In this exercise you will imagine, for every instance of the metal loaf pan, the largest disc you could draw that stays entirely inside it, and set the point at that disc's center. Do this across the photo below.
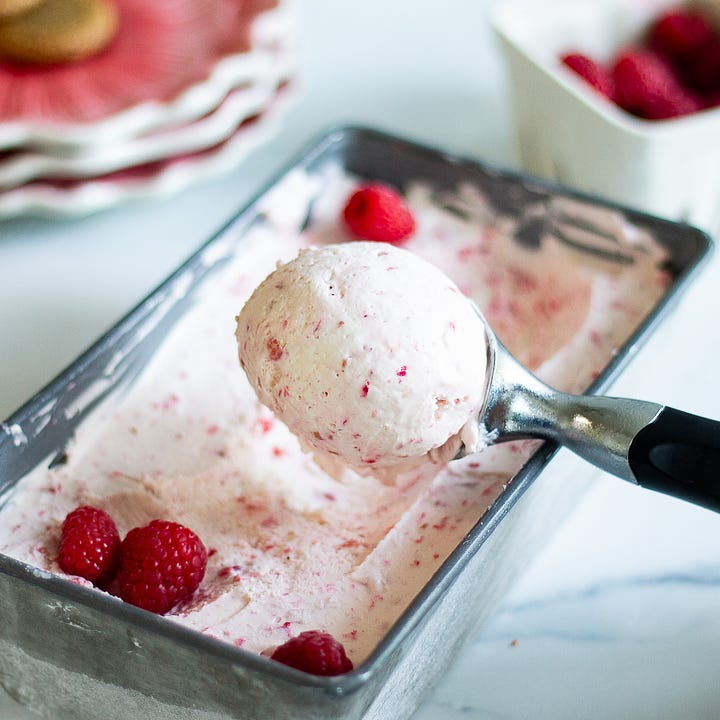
(73, 652)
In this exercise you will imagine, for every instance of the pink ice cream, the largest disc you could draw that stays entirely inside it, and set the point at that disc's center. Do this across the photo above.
(290, 547)
(367, 352)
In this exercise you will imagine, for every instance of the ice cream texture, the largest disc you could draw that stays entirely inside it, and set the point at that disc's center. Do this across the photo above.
(367, 352)
(290, 547)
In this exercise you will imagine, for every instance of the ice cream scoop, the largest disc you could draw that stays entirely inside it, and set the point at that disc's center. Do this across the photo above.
(651, 445)
(373, 355)
(367, 352)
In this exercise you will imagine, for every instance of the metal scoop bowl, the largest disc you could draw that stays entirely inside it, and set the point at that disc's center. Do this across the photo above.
(648, 444)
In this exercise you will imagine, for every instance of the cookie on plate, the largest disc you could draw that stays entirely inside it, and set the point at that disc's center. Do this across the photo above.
(13, 7)
(58, 31)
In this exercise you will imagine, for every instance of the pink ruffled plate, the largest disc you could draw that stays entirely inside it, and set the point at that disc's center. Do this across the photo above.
(18, 167)
(172, 61)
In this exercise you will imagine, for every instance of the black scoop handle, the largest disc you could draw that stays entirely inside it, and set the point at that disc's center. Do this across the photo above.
(679, 454)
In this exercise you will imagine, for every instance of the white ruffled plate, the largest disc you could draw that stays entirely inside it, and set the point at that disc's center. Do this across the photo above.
(173, 61)
(81, 197)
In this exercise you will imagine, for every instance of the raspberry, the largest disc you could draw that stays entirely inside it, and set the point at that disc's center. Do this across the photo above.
(89, 545)
(712, 100)
(160, 565)
(701, 70)
(591, 72)
(647, 87)
(678, 32)
(377, 212)
(314, 652)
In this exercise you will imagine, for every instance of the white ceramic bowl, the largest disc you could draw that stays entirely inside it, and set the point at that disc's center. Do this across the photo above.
(571, 134)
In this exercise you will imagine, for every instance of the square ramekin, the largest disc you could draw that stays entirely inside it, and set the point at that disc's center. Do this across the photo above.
(569, 133)
(73, 652)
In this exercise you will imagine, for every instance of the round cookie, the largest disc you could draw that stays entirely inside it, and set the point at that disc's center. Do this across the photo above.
(13, 7)
(58, 31)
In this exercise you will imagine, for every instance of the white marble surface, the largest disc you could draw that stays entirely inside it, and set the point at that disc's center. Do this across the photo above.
(618, 617)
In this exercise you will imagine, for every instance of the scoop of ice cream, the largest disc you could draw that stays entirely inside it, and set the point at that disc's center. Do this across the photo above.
(366, 352)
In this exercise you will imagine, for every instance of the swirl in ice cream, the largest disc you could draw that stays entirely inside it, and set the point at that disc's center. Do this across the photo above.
(367, 352)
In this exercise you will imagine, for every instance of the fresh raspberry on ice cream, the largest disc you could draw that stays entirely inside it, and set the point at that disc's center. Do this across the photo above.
(89, 545)
(378, 212)
(591, 71)
(646, 86)
(314, 652)
(160, 565)
(678, 32)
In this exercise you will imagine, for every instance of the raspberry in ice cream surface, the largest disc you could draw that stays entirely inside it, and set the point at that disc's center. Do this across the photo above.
(366, 351)
(89, 545)
(315, 652)
(378, 212)
(161, 564)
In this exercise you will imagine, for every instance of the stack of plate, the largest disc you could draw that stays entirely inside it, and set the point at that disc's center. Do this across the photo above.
(184, 91)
